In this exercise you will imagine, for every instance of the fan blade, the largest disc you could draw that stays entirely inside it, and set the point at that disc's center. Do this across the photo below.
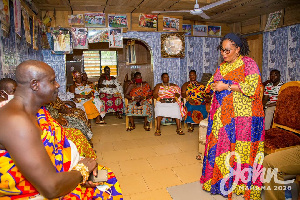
(209, 6)
(203, 15)
(170, 11)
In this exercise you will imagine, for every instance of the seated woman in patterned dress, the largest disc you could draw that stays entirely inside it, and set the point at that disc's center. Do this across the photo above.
(195, 95)
(111, 93)
(139, 94)
(86, 96)
(168, 103)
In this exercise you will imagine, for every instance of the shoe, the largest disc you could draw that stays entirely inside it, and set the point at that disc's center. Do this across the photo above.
(147, 128)
(157, 133)
(190, 129)
(180, 132)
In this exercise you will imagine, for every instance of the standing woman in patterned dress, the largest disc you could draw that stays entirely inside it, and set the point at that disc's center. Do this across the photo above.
(235, 135)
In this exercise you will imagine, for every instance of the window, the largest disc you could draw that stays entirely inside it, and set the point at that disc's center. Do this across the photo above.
(109, 58)
(95, 61)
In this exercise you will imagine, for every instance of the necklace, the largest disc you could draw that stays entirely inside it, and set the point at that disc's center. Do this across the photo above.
(166, 87)
(108, 79)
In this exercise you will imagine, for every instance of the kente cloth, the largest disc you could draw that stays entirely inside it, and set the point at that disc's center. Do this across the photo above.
(197, 112)
(144, 108)
(236, 129)
(82, 144)
(112, 98)
(58, 104)
(92, 105)
(169, 92)
(73, 122)
(15, 186)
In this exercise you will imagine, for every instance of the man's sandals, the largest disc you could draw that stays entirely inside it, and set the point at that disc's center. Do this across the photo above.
(190, 129)
(180, 131)
(130, 128)
(157, 133)
(147, 127)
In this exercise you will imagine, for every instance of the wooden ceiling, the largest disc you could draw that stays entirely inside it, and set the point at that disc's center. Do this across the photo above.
(230, 12)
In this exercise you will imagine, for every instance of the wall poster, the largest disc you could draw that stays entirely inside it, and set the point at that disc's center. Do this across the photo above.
(115, 38)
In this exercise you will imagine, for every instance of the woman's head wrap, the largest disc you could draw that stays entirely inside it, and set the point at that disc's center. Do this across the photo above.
(76, 74)
(235, 38)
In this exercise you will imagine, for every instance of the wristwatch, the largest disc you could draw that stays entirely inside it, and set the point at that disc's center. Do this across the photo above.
(229, 87)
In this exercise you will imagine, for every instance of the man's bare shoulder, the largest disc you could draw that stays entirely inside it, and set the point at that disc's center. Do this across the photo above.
(15, 123)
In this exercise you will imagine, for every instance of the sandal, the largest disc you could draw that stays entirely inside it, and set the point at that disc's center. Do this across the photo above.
(180, 132)
(130, 128)
(190, 129)
(147, 128)
(157, 133)
(101, 122)
(199, 157)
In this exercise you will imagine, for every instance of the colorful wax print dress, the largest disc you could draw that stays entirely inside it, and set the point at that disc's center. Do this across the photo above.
(196, 112)
(235, 135)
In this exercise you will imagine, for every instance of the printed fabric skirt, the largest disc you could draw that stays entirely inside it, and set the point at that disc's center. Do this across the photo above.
(142, 109)
(195, 113)
(112, 102)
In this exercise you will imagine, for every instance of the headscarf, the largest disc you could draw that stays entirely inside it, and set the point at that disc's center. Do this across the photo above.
(235, 38)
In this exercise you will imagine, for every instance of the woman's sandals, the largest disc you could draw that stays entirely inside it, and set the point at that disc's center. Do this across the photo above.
(147, 127)
(130, 128)
(180, 132)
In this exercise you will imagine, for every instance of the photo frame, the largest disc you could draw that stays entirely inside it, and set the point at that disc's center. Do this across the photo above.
(173, 45)
(214, 31)
(199, 30)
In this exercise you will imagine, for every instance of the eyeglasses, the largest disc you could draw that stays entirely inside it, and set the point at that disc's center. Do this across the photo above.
(227, 51)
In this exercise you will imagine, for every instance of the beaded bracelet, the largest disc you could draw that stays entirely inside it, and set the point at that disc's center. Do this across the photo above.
(84, 171)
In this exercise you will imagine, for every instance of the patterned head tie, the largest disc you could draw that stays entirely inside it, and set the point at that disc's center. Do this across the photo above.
(235, 38)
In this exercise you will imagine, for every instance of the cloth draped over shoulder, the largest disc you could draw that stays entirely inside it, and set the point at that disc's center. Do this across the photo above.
(15, 186)
(145, 107)
(196, 112)
(235, 127)
(169, 92)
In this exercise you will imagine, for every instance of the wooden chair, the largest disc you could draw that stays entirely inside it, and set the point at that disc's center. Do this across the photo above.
(127, 117)
(285, 130)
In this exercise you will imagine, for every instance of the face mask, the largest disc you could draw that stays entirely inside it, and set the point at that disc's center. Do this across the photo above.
(9, 96)
(138, 80)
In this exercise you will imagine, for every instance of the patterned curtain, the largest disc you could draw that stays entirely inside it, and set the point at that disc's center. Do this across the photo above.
(281, 51)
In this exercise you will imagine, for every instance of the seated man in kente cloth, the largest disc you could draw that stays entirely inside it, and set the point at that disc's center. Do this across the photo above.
(111, 93)
(168, 96)
(41, 162)
(139, 95)
(195, 95)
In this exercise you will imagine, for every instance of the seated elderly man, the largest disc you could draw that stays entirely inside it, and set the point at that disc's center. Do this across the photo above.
(87, 96)
(139, 94)
(41, 162)
(111, 93)
(168, 103)
(7, 89)
(195, 95)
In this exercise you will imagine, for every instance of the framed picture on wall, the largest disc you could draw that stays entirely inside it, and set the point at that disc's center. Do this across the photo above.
(98, 35)
(187, 29)
(117, 21)
(76, 20)
(148, 21)
(79, 36)
(199, 30)
(172, 45)
(115, 38)
(170, 24)
(94, 19)
(214, 31)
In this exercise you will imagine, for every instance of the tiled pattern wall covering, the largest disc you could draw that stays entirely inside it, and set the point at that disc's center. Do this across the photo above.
(15, 49)
(281, 50)
(201, 55)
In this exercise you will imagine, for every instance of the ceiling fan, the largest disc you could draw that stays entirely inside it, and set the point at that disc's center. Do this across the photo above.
(197, 10)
